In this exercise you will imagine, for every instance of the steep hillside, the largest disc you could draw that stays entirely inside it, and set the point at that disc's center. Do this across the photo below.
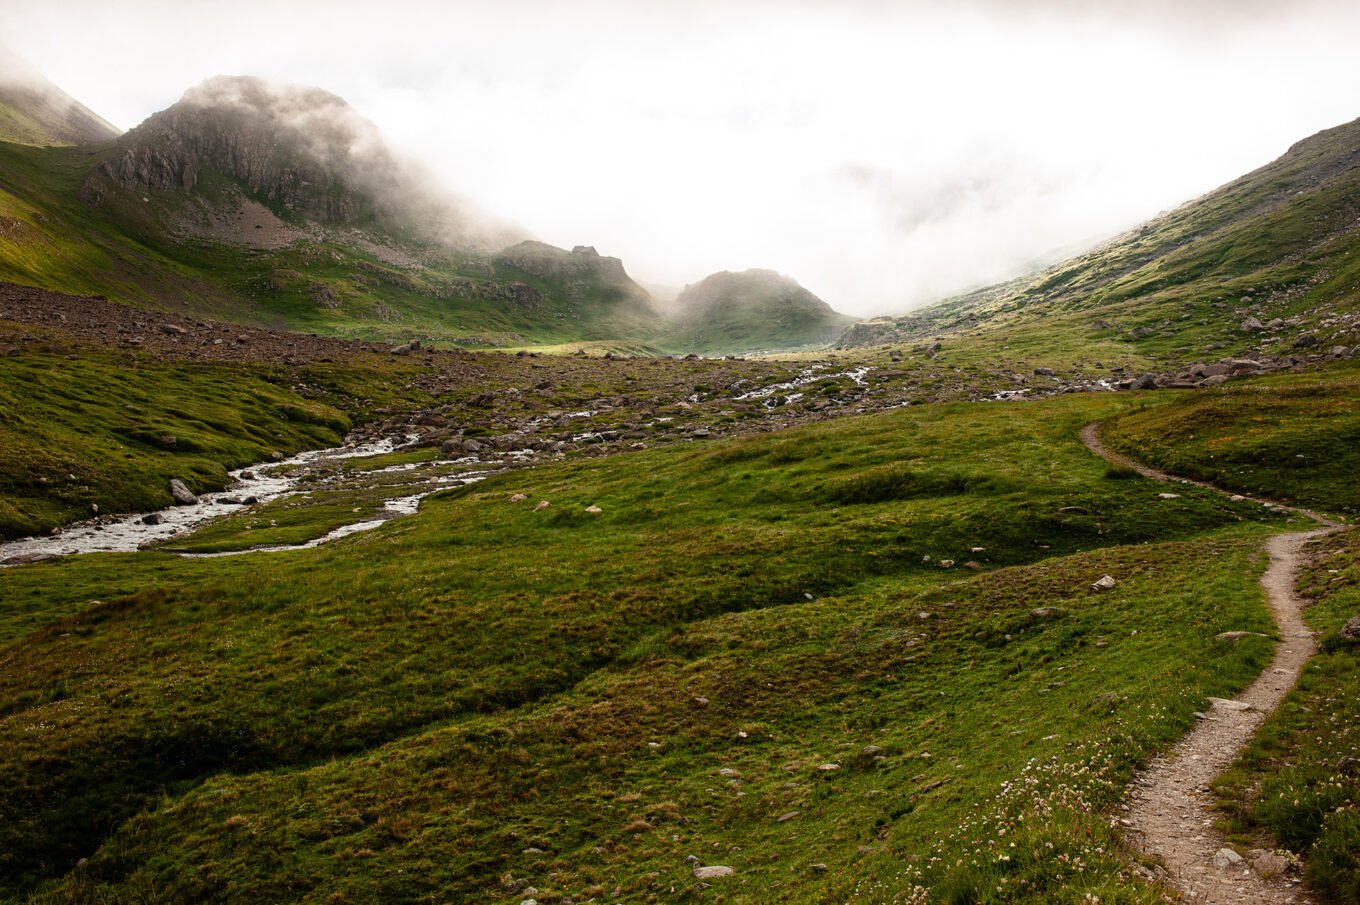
(1265, 264)
(33, 111)
(752, 311)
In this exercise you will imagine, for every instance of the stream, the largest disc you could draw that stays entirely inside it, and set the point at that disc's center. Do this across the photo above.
(130, 532)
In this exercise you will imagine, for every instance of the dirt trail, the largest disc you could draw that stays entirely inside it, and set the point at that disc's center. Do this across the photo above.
(1171, 811)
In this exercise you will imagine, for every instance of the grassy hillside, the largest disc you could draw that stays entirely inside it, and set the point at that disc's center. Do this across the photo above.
(1278, 245)
(1295, 438)
(752, 311)
(33, 111)
(487, 693)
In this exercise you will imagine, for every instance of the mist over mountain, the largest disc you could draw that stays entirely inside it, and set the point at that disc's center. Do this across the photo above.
(34, 111)
(751, 311)
(303, 152)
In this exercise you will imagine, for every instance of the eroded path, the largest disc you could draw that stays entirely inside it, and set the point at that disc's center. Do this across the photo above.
(1171, 811)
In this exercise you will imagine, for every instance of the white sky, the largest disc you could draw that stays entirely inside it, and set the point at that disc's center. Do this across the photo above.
(882, 153)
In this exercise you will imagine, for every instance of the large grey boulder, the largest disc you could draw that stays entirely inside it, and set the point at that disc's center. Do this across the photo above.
(182, 494)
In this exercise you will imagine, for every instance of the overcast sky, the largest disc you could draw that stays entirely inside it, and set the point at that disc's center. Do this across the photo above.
(884, 154)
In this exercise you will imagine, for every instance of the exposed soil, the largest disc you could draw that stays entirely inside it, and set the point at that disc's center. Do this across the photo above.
(1171, 813)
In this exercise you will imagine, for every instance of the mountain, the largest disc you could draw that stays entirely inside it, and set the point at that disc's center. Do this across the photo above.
(591, 286)
(33, 111)
(281, 205)
(1266, 264)
(302, 153)
(751, 311)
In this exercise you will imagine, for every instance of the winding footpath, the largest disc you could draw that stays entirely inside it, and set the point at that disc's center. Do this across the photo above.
(1171, 810)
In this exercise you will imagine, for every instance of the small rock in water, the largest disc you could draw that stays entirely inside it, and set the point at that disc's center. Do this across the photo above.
(182, 494)
(153, 518)
(1104, 583)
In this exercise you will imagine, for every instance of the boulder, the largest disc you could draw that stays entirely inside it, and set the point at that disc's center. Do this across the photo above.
(1144, 382)
(153, 518)
(1252, 325)
(1226, 858)
(1104, 583)
(182, 494)
(1307, 341)
(713, 872)
(1267, 864)
(1351, 630)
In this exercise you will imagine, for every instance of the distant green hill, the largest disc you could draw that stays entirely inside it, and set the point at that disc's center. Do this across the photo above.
(1260, 264)
(752, 311)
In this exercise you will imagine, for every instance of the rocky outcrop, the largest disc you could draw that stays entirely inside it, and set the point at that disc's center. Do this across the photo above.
(300, 149)
(551, 262)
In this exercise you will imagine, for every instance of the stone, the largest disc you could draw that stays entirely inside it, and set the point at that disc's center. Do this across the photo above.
(1349, 766)
(785, 818)
(1307, 341)
(870, 750)
(1226, 858)
(1227, 704)
(712, 872)
(20, 559)
(518, 498)
(1237, 636)
(1351, 630)
(182, 494)
(1252, 325)
(153, 518)
(1048, 612)
(1104, 583)
(173, 330)
(828, 768)
(1144, 382)
(594, 509)
(1043, 372)
(1267, 864)
(543, 504)
(1168, 496)
(818, 868)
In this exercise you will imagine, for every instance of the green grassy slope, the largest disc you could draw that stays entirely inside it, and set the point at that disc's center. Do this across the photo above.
(33, 111)
(1295, 438)
(753, 311)
(96, 431)
(412, 712)
(1278, 244)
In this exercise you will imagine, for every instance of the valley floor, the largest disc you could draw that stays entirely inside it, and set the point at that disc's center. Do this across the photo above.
(857, 658)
